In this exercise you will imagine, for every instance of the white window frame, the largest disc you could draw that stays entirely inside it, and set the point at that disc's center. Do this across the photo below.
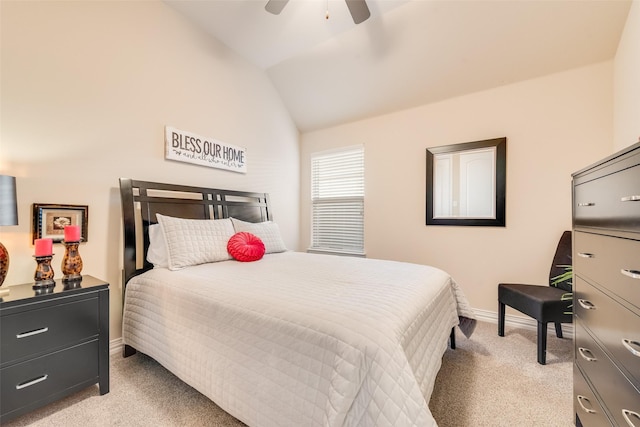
(337, 201)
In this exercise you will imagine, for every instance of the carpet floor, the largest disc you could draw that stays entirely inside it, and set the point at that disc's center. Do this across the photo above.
(487, 381)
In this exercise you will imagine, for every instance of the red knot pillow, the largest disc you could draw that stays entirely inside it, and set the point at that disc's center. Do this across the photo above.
(245, 247)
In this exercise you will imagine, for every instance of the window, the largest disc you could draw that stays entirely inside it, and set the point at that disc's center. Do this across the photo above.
(337, 201)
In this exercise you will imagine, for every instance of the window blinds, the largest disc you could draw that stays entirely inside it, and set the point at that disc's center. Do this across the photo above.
(337, 201)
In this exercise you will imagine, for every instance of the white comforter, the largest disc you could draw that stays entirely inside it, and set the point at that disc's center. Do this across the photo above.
(298, 339)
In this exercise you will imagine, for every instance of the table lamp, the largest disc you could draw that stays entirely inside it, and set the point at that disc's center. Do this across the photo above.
(8, 216)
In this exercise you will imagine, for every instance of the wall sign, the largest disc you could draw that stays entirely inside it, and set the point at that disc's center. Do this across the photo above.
(191, 148)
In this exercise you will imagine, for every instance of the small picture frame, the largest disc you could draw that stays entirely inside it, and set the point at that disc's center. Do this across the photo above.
(49, 220)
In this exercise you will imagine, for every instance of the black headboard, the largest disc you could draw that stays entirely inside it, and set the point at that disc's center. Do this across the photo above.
(142, 200)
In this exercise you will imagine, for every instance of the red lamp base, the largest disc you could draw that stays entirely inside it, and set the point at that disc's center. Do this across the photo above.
(4, 263)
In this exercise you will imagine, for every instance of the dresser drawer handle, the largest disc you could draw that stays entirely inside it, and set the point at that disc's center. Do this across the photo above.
(634, 274)
(31, 333)
(581, 398)
(630, 199)
(586, 204)
(587, 305)
(586, 354)
(626, 413)
(586, 255)
(32, 382)
(628, 344)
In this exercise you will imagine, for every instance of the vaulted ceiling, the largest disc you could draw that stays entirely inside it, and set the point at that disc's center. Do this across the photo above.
(409, 52)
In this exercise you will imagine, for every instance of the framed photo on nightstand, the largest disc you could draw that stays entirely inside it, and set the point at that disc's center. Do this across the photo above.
(49, 220)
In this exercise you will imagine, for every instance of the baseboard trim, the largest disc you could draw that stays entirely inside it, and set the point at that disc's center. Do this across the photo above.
(518, 321)
(116, 345)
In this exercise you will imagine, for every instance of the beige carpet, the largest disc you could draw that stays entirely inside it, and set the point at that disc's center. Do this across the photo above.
(486, 381)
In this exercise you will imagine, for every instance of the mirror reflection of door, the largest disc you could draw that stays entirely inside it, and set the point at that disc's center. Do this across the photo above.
(443, 199)
(478, 183)
(466, 185)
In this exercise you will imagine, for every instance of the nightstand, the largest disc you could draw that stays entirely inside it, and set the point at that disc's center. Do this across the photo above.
(52, 343)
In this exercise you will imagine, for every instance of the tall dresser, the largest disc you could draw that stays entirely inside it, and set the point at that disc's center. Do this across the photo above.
(606, 304)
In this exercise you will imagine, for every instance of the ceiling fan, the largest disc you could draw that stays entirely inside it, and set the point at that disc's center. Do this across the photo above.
(358, 8)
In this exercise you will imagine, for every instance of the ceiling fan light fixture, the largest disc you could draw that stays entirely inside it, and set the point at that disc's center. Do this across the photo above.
(357, 8)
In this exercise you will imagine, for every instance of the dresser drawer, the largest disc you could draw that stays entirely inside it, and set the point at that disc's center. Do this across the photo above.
(615, 327)
(31, 382)
(612, 201)
(38, 330)
(618, 395)
(585, 403)
(612, 262)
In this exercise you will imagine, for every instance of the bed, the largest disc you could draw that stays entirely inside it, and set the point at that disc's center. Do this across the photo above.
(293, 339)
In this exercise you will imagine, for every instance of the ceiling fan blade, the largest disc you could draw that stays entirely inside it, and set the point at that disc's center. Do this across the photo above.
(275, 6)
(358, 9)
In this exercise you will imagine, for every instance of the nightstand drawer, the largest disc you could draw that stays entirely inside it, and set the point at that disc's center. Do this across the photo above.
(617, 328)
(612, 201)
(31, 382)
(38, 330)
(610, 261)
(585, 403)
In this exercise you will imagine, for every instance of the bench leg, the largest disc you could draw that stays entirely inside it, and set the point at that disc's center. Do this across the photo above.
(542, 343)
(501, 309)
(559, 330)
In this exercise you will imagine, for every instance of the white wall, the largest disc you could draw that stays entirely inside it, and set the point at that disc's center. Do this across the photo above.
(87, 88)
(554, 126)
(627, 82)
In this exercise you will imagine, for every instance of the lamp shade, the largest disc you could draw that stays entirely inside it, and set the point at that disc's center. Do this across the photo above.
(8, 200)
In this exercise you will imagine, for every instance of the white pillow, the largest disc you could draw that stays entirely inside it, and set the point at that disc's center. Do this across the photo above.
(267, 231)
(157, 251)
(195, 241)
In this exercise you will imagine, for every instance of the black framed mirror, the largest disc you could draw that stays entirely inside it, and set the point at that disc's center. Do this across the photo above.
(466, 183)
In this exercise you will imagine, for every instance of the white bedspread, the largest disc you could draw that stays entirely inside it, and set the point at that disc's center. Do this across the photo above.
(298, 339)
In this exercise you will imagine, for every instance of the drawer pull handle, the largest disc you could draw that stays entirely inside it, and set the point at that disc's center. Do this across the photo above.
(31, 333)
(586, 354)
(32, 382)
(581, 398)
(587, 305)
(586, 204)
(626, 413)
(628, 344)
(630, 199)
(634, 274)
(586, 255)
